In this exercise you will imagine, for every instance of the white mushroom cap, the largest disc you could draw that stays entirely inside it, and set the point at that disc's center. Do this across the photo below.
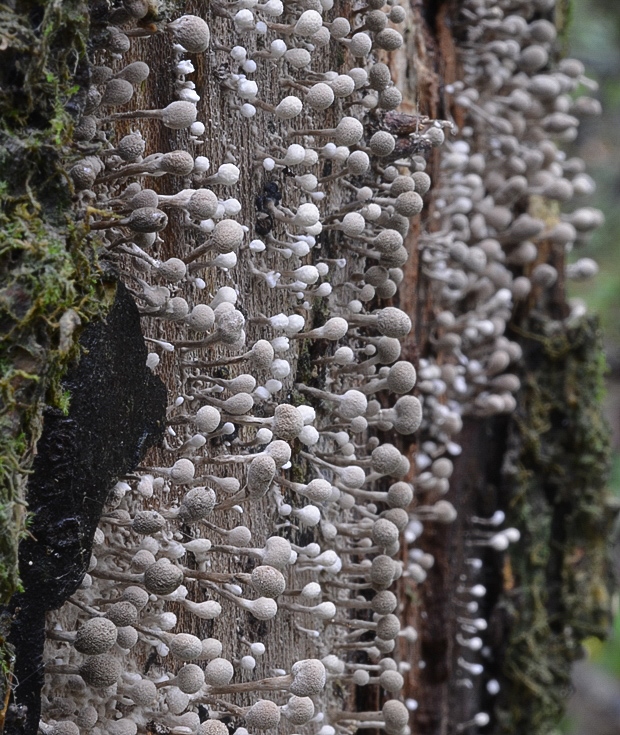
(263, 715)
(219, 672)
(96, 635)
(212, 727)
(289, 108)
(309, 23)
(207, 419)
(101, 671)
(190, 678)
(349, 131)
(191, 32)
(320, 96)
(308, 677)
(162, 578)
(268, 581)
(185, 646)
(182, 471)
(299, 710)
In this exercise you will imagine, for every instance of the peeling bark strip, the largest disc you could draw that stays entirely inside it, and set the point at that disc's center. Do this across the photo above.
(297, 225)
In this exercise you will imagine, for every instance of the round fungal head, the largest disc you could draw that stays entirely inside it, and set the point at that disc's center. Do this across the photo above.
(268, 581)
(263, 715)
(95, 636)
(309, 677)
(101, 671)
(287, 422)
(179, 115)
(197, 504)
(395, 716)
(277, 552)
(185, 646)
(212, 727)
(384, 533)
(122, 613)
(349, 131)
(393, 322)
(162, 578)
(401, 378)
(219, 672)
(299, 710)
(261, 472)
(190, 678)
(191, 32)
(207, 419)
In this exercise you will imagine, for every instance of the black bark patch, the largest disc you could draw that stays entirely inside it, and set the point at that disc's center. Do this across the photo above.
(117, 411)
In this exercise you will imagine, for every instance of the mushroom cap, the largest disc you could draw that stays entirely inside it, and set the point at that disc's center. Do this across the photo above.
(395, 716)
(261, 472)
(384, 602)
(179, 115)
(353, 224)
(239, 536)
(162, 578)
(101, 671)
(116, 92)
(287, 422)
(262, 354)
(388, 627)
(382, 143)
(400, 495)
(96, 635)
(182, 471)
(176, 700)
(172, 270)
(127, 636)
(238, 404)
(298, 58)
(398, 516)
(143, 692)
(389, 39)
(279, 451)
(185, 646)
(309, 23)
(263, 608)
(190, 678)
(212, 727)
(135, 72)
(277, 552)
(360, 44)
(147, 219)
(227, 236)
(178, 163)
(147, 521)
(384, 533)
(379, 76)
(299, 710)
(409, 203)
(136, 595)
(349, 131)
(320, 96)
(202, 204)
(197, 504)
(201, 319)
(393, 322)
(391, 681)
(191, 32)
(268, 581)
(122, 613)
(288, 108)
(130, 147)
(335, 328)
(309, 677)
(385, 459)
(318, 491)
(353, 403)
(219, 672)
(408, 415)
(207, 419)
(382, 571)
(401, 378)
(263, 715)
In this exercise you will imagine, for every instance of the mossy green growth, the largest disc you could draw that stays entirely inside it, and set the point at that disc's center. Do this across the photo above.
(50, 282)
(557, 480)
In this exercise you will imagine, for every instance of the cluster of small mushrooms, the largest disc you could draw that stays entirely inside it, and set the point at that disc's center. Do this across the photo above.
(271, 522)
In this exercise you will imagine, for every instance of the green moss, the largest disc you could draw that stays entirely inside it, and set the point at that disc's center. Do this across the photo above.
(559, 500)
(50, 283)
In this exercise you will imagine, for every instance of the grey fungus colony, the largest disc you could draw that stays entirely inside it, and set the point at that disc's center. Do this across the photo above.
(182, 575)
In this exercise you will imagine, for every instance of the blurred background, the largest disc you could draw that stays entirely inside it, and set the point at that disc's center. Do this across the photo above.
(594, 38)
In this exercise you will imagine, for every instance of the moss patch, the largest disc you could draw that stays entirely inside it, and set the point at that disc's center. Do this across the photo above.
(556, 475)
(49, 279)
